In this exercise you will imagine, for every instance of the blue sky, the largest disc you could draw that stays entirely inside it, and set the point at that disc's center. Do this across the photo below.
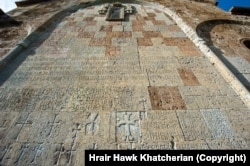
(7, 5)
(227, 4)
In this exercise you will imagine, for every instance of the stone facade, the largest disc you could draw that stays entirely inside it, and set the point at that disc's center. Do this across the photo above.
(142, 83)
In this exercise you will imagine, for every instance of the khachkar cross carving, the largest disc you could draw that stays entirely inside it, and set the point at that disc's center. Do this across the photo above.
(143, 101)
(49, 126)
(92, 124)
(128, 124)
(3, 124)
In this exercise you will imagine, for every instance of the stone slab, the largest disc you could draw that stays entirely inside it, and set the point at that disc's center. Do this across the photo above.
(193, 125)
(188, 77)
(165, 98)
(218, 124)
(227, 144)
(161, 126)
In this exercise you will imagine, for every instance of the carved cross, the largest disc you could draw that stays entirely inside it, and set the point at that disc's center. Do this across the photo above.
(143, 101)
(25, 148)
(3, 125)
(76, 129)
(127, 122)
(25, 122)
(92, 122)
(49, 126)
(38, 152)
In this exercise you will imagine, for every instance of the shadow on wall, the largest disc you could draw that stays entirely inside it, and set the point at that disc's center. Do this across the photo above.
(203, 30)
(6, 20)
(28, 2)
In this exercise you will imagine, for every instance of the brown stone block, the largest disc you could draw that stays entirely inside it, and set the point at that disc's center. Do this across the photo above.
(151, 34)
(177, 42)
(88, 19)
(138, 28)
(151, 14)
(118, 34)
(189, 51)
(112, 51)
(174, 28)
(188, 77)
(165, 98)
(100, 42)
(158, 22)
(144, 42)
(86, 34)
(136, 23)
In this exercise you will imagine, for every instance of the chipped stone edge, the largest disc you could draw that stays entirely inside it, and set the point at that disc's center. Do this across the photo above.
(238, 87)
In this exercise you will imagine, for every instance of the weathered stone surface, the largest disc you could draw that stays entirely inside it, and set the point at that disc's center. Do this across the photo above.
(161, 126)
(165, 98)
(227, 144)
(192, 145)
(188, 77)
(217, 124)
(85, 83)
(193, 125)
